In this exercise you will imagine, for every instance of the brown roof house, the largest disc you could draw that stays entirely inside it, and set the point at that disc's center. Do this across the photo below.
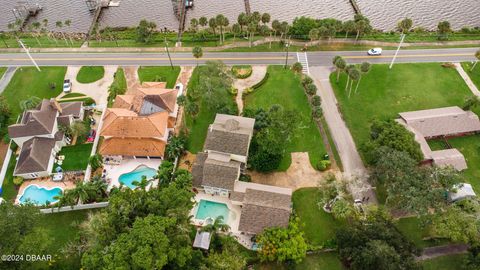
(38, 136)
(439, 123)
(217, 170)
(138, 125)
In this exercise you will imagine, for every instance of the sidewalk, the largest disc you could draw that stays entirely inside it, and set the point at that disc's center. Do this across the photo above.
(467, 79)
(6, 78)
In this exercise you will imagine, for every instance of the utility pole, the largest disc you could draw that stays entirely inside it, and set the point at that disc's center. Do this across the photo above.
(29, 56)
(168, 52)
(398, 49)
(286, 56)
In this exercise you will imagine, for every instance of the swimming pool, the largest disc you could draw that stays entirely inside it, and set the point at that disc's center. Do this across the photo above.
(39, 195)
(209, 209)
(136, 175)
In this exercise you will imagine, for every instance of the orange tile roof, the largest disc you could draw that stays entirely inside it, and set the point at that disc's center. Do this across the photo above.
(119, 122)
(123, 101)
(133, 147)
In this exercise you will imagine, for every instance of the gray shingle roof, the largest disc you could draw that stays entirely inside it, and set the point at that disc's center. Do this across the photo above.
(71, 108)
(263, 209)
(35, 155)
(35, 122)
(220, 174)
(197, 168)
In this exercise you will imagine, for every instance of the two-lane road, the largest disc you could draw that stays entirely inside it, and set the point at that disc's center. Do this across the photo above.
(230, 58)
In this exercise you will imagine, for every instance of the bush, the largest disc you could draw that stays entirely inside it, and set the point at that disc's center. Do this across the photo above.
(316, 101)
(245, 178)
(262, 82)
(242, 72)
(317, 112)
(307, 80)
(324, 165)
(233, 91)
(311, 89)
(18, 180)
(95, 161)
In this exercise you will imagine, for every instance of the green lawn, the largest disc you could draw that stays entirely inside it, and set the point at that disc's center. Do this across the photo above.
(76, 157)
(412, 229)
(2, 71)
(90, 74)
(197, 130)
(384, 93)
(451, 262)
(474, 74)
(77, 97)
(284, 87)
(159, 74)
(9, 191)
(27, 82)
(318, 225)
(320, 261)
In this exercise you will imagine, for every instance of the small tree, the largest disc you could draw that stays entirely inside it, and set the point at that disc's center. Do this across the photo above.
(18, 180)
(477, 55)
(317, 112)
(316, 100)
(313, 34)
(95, 161)
(297, 67)
(471, 102)
(364, 69)
(311, 89)
(354, 75)
(192, 109)
(265, 18)
(212, 23)
(340, 65)
(203, 21)
(405, 25)
(145, 31)
(197, 52)
(443, 29)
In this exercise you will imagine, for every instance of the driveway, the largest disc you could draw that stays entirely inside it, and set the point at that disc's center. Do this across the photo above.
(258, 73)
(354, 170)
(97, 90)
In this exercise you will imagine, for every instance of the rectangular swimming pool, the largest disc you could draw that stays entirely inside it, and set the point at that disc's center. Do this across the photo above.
(208, 209)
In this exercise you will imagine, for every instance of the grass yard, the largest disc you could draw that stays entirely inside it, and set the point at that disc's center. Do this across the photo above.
(384, 93)
(412, 229)
(451, 262)
(474, 74)
(159, 74)
(198, 129)
(9, 191)
(76, 157)
(90, 74)
(28, 82)
(2, 71)
(119, 83)
(71, 97)
(320, 261)
(284, 87)
(318, 225)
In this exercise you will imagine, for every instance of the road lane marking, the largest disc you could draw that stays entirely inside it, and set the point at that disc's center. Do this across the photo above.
(408, 55)
(144, 59)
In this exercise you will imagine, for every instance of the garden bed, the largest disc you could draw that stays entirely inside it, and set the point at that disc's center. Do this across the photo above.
(90, 74)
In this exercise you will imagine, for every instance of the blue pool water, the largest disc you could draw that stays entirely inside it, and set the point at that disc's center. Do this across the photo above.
(39, 195)
(136, 175)
(209, 209)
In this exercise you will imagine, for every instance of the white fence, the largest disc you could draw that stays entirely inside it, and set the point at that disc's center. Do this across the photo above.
(6, 161)
(74, 208)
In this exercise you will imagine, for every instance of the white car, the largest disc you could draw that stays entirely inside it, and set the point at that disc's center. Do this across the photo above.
(375, 51)
(179, 87)
(67, 86)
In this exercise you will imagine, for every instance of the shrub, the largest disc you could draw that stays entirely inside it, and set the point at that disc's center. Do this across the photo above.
(17, 180)
(95, 161)
(317, 112)
(307, 80)
(316, 101)
(311, 89)
(245, 178)
(233, 91)
(242, 72)
(262, 82)
(324, 165)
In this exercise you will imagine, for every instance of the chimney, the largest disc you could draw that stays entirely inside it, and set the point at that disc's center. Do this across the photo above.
(56, 105)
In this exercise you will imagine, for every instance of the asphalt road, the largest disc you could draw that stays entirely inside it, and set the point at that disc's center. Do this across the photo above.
(230, 58)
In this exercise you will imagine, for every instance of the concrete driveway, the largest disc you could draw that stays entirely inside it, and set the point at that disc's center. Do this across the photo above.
(97, 90)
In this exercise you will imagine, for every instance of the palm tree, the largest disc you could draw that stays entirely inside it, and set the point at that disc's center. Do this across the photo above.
(203, 21)
(236, 30)
(443, 29)
(81, 191)
(405, 25)
(252, 28)
(313, 34)
(197, 53)
(354, 75)
(216, 226)
(68, 23)
(212, 23)
(297, 67)
(142, 184)
(340, 65)
(347, 70)
(66, 198)
(220, 21)
(242, 20)
(364, 69)
(348, 26)
(276, 27)
(36, 26)
(78, 129)
(471, 102)
(265, 18)
(360, 27)
(477, 55)
(192, 109)
(59, 25)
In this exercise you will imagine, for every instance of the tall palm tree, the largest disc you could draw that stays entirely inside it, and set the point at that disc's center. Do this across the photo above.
(265, 18)
(212, 23)
(68, 23)
(216, 226)
(197, 52)
(59, 25)
(252, 28)
(347, 71)
(236, 30)
(66, 198)
(142, 184)
(203, 21)
(220, 21)
(364, 69)
(81, 191)
(354, 75)
(242, 20)
(340, 65)
(348, 27)
(405, 25)
(477, 55)
(192, 109)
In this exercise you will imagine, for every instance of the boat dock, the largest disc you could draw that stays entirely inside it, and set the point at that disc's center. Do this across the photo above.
(23, 11)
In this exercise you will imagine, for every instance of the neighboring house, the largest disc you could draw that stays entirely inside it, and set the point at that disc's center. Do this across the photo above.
(139, 123)
(218, 168)
(440, 123)
(39, 138)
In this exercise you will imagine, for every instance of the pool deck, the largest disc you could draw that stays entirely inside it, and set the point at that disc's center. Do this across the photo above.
(127, 165)
(45, 183)
(233, 217)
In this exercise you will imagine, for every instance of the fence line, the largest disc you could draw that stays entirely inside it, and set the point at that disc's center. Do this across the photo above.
(88, 171)
(6, 161)
(74, 208)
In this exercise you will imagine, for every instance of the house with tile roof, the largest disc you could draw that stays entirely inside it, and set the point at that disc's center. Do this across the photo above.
(38, 136)
(140, 121)
(441, 123)
(217, 170)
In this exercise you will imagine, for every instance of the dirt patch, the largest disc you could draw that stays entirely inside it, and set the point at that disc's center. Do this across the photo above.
(300, 174)
(186, 161)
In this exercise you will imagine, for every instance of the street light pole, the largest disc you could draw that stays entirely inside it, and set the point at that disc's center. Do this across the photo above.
(398, 49)
(168, 52)
(29, 56)
(286, 56)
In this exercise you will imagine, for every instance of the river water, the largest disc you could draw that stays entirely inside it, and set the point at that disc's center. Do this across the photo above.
(383, 14)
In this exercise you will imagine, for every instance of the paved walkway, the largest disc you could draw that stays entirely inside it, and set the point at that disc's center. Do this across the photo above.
(467, 79)
(433, 252)
(300, 174)
(131, 75)
(184, 78)
(7, 76)
(258, 73)
(352, 163)
(97, 90)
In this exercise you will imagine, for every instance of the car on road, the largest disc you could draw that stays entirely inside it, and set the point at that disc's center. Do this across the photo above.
(375, 51)
(67, 86)
(179, 87)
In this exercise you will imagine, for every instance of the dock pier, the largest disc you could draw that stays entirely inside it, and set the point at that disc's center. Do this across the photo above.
(23, 11)
(96, 7)
(355, 6)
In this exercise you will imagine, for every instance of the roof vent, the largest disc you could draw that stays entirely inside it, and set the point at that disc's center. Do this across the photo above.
(231, 125)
